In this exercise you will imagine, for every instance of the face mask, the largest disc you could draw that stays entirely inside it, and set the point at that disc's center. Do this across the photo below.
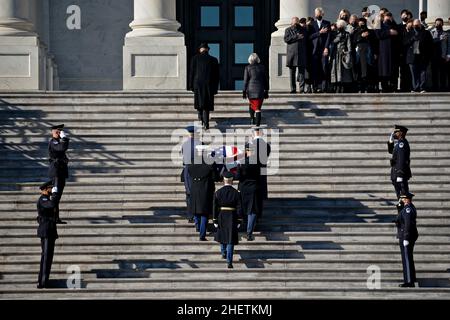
(319, 18)
(439, 28)
(405, 19)
(344, 18)
(417, 28)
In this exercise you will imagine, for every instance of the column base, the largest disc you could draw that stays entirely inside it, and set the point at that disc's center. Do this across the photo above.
(154, 63)
(278, 72)
(22, 64)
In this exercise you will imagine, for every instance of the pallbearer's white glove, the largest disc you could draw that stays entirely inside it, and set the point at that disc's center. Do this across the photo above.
(405, 243)
(62, 134)
(216, 226)
(391, 138)
(399, 179)
(238, 226)
(54, 189)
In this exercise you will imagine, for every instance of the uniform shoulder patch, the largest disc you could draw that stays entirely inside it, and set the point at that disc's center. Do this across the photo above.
(55, 142)
(408, 210)
(401, 144)
(45, 199)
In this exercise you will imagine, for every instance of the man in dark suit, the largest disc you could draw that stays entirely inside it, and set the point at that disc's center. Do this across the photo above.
(204, 82)
(405, 73)
(58, 170)
(296, 38)
(407, 235)
(320, 43)
(47, 230)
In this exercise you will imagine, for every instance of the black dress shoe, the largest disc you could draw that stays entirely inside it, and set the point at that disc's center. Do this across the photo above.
(293, 91)
(224, 255)
(59, 221)
(250, 238)
(230, 266)
(407, 285)
(190, 220)
(203, 239)
(40, 286)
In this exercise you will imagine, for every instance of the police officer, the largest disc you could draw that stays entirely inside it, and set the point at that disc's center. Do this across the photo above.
(46, 207)
(188, 151)
(202, 175)
(398, 146)
(249, 176)
(407, 235)
(261, 152)
(227, 217)
(58, 171)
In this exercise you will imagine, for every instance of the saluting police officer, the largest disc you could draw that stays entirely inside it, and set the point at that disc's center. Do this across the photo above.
(47, 230)
(398, 146)
(58, 170)
(202, 176)
(407, 235)
(249, 176)
(188, 151)
(227, 217)
(262, 151)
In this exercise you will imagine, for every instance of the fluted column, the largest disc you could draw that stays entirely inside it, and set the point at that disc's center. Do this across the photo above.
(279, 73)
(154, 51)
(16, 18)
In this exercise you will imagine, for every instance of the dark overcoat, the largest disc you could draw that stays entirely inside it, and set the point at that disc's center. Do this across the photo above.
(256, 81)
(204, 80)
(46, 217)
(387, 52)
(425, 47)
(400, 162)
(57, 158)
(297, 49)
(228, 220)
(249, 176)
(202, 178)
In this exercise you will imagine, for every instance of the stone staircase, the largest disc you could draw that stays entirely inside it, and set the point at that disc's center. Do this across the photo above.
(329, 217)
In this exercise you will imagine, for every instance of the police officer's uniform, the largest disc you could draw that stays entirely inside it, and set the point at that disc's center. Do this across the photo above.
(58, 170)
(407, 235)
(400, 163)
(48, 233)
(227, 218)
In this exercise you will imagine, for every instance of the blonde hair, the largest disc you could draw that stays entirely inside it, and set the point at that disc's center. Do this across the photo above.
(254, 58)
(341, 24)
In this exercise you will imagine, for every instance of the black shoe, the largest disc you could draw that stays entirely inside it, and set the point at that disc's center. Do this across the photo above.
(40, 286)
(250, 237)
(293, 91)
(203, 239)
(59, 221)
(230, 266)
(407, 285)
(190, 220)
(224, 255)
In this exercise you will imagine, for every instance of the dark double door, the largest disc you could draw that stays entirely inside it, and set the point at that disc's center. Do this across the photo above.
(233, 29)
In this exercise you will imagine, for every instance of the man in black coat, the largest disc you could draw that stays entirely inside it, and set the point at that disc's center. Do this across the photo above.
(202, 175)
(407, 235)
(320, 43)
(227, 217)
(58, 170)
(249, 176)
(405, 73)
(420, 51)
(296, 38)
(260, 156)
(47, 230)
(204, 82)
(398, 146)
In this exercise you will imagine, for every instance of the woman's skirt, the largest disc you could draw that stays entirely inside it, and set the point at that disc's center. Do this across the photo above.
(256, 104)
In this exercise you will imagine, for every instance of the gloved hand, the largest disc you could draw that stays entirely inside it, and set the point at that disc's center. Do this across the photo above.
(399, 179)
(244, 95)
(405, 243)
(54, 189)
(238, 226)
(391, 137)
(216, 226)
(62, 134)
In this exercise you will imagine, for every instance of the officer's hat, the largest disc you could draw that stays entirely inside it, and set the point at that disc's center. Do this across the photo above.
(401, 129)
(46, 185)
(227, 175)
(203, 45)
(191, 129)
(407, 195)
(58, 127)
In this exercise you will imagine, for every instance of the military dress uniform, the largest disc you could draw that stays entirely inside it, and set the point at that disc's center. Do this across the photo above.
(400, 163)
(227, 218)
(407, 235)
(47, 232)
(58, 170)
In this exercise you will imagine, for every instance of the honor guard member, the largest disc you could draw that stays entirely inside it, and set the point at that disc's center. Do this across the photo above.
(400, 162)
(188, 152)
(407, 235)
(58, 171)
(203, 176)
(249, 176)
(261, 152)
(47, 231)
(227, 217)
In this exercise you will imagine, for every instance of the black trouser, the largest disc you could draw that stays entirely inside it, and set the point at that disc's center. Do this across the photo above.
(405, 78)
(48, 248)
(419, 76)
(297, 77)
(60, 183)
(401, 187)
(439, 74)
(203, 116)
(409, 269)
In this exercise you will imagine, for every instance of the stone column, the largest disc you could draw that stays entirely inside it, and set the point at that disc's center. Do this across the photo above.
(22, 66)
(154, 52)
(279, 73)
(438, 9)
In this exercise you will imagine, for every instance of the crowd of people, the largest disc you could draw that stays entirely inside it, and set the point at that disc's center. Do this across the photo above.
(359, 54)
